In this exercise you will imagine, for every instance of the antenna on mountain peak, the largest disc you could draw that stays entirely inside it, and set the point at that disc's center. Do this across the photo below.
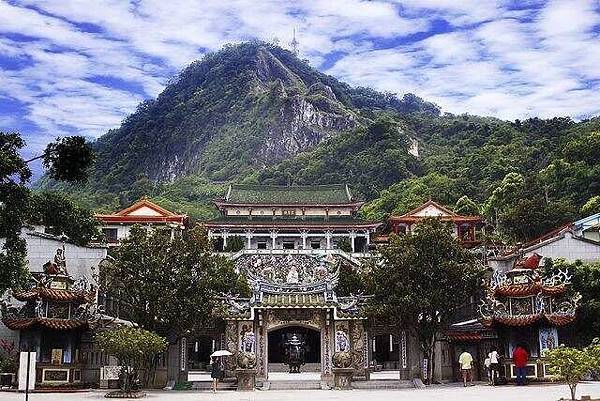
(294, 43)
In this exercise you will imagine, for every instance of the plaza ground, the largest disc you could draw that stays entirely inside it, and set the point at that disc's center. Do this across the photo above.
(548, 392)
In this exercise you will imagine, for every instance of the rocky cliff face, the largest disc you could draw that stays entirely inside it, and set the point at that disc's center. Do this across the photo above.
(246, 106)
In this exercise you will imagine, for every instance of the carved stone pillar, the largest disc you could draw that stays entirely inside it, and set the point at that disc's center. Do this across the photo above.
(358, 347)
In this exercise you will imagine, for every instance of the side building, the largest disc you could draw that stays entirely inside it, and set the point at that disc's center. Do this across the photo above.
(53, 315)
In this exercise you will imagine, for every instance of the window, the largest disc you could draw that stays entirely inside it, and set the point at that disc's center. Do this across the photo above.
(288, 245)
(110, 234)
(261, 245)
(315, 244)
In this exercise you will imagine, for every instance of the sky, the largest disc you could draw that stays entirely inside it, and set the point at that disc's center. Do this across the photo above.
(78, 67)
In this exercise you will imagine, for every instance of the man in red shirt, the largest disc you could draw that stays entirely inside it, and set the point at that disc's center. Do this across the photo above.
(520, 357)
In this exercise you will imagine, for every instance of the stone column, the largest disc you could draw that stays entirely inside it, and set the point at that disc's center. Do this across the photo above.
(249, 236)
(225, 236)
(328, 238)
(368, 237)
(352, 238)
(304, 235)
(273, 238)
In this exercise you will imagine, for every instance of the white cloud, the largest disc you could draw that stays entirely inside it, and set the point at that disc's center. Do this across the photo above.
(489, 59)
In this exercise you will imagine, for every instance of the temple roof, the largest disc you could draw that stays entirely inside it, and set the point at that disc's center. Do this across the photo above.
(54, 294)
(295, 222)
(48, 323)
(142, 211)
(432, 209)
(288, 195)
(295, 300)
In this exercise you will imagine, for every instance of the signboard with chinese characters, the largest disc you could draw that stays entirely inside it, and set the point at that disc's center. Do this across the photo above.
(55, 375)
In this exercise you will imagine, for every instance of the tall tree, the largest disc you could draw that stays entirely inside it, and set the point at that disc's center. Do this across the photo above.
(66, 159)
(170, 285)
(421, 279)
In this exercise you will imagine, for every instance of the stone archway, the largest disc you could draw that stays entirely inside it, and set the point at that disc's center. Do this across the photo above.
(276, 339)
(314, 320)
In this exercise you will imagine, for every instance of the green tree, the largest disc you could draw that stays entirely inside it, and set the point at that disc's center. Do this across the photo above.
(16, 198)
(592, 206)
(132, 347)
(408, 194)
(344, 245)
(67, 159)
(62, 217)
(570, 365)
(519, 209)
(421, 279)
(586, 281)
(234, 244)
(170, 285)
(465, 206)
(351, 281)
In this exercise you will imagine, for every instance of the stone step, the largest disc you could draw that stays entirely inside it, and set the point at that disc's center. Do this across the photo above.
(293, 385)
(228, 384)
(382, 384)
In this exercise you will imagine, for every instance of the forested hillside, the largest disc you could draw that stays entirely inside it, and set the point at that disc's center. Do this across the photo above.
(255, 113)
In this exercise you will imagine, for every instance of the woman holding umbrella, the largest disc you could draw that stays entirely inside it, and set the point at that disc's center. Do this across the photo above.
(217, 369)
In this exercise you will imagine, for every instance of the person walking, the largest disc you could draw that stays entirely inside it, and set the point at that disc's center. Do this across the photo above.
(465, 360)
(488, 371)
(215, 373)
(494, 365)
(520, 357)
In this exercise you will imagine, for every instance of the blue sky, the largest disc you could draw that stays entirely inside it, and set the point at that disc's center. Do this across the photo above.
(79, 66)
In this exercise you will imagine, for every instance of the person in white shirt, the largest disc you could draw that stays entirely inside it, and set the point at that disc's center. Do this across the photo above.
(488, 371)
(494, 365)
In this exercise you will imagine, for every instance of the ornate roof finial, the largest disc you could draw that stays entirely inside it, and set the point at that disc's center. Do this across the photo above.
(294, 43)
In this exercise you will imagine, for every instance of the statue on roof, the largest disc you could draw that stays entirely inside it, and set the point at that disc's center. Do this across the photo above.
(59, 263)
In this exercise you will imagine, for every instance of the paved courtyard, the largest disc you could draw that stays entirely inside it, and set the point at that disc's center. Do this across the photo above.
(445, 393)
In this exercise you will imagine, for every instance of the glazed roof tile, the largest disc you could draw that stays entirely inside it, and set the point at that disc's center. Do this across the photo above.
(289, 195)
(48, 323)
(54, 295)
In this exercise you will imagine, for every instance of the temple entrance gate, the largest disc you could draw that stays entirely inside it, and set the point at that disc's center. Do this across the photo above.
(294, 292)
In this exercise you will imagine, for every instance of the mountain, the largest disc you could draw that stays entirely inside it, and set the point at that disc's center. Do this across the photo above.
(245, 107)
(255, 113)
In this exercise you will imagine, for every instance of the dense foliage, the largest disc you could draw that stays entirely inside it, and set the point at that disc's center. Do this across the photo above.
(133, 348)
(421, 279)
(19, 207)
(586, 281)
(67, 159)
(370, 159)
(170, 285)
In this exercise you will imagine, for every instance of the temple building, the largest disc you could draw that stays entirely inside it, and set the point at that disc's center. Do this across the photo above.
(466, 228)
(530, 307)
(291, 218)
(52, 315)
(145, 213)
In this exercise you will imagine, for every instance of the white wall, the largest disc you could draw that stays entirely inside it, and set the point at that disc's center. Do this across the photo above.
(568, 248)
